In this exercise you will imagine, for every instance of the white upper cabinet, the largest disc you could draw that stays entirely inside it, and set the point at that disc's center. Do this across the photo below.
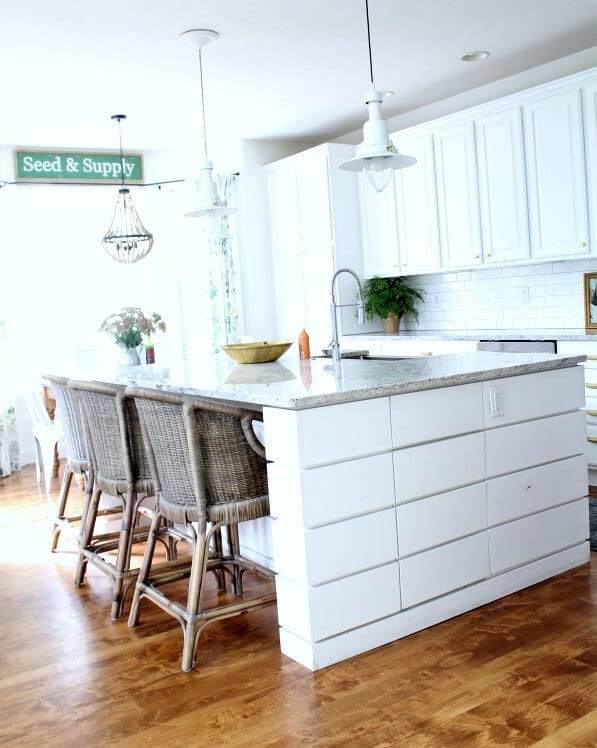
(556, 175)
(457, 195)
(380, 233)
(590, 130)
(502, 186)
(416, 206)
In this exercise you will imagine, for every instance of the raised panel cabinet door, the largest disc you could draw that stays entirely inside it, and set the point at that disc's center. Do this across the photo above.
(502, 186)
(416, 206)
(458, 196)
(379, 230)
(286, 248)
(556, 176)
(590, 130)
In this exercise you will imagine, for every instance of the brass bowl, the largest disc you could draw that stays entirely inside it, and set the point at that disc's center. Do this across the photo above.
(257, 353)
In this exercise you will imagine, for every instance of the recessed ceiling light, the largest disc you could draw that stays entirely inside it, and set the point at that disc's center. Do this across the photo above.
(475, 56)
(386, 94)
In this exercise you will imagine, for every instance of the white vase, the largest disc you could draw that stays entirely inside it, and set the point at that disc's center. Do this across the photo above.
(129, 356)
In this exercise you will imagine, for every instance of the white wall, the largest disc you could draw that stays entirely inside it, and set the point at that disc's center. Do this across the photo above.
(57, 284)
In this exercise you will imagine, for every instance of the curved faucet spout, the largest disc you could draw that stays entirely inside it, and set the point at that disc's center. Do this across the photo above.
(335, 346)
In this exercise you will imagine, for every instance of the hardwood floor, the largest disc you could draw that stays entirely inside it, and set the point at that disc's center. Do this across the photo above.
(518, 672)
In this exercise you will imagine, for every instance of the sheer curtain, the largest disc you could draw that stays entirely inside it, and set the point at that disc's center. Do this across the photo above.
(224, 277)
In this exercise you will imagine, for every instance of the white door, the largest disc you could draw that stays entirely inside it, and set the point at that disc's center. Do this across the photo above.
(556, 176)
(416, 207)
(502, 187)
(457, 195)
(379, 230)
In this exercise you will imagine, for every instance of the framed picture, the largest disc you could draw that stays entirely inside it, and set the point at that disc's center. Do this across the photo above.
(590, 290)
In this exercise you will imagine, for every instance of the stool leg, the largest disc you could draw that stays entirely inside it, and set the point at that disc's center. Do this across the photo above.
(86, 535)
(60, 512)
(144, 571)
(196, 582)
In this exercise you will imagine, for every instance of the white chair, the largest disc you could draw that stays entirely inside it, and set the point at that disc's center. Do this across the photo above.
(46, 434)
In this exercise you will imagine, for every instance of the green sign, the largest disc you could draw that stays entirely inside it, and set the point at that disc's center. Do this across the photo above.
(77, 166)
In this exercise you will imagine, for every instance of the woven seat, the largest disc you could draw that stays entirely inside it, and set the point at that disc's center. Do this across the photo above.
(119, 462)
(77, 462)
(210, 473)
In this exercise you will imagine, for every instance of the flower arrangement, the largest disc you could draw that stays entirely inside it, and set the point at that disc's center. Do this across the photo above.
(128, 326)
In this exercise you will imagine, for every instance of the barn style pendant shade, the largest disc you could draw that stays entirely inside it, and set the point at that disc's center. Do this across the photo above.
(208, 201)
(127, 240)
(376, 156)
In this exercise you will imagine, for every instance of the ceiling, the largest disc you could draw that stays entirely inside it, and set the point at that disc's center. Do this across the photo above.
(284, 70)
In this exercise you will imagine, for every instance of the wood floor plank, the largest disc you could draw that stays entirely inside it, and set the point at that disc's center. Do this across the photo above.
(519, 672)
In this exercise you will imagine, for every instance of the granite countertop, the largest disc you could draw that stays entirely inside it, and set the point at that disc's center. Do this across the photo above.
(567, 333)
(292, 384)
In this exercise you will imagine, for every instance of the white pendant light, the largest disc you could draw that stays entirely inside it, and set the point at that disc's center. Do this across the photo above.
(208, 203)
(127, 240)
(376, 156)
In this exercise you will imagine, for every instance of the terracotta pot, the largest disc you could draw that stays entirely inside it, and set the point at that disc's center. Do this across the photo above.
(391, 323)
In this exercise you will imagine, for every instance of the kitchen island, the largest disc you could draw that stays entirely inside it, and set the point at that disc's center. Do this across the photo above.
(406, 492)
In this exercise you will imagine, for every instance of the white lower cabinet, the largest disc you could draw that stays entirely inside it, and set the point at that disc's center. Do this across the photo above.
(443, 569)
(539, 535)
(377, 532)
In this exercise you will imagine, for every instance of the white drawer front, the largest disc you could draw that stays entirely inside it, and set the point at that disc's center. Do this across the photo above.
(439, 466)
(441, 570)
(523, 398)
(591, 408)
(317, 556)
(524, 445)
(434, 414)
(435, 520)
(309, 438)
(341, 432)
(591, 445)
(340, 605)
(333, 492)
(525, 539)
(534, 490)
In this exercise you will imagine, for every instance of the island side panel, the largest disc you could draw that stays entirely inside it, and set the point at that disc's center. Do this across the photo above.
(333, 525)
(373, 540)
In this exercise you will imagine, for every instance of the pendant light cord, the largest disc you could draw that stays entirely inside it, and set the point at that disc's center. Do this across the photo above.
(369, 43)
(119, 118)
(202, 105)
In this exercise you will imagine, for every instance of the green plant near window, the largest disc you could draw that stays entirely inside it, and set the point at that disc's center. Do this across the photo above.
(391, 296)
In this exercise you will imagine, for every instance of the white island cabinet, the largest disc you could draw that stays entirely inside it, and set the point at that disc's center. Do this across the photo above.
(404, 492)
(394, 513)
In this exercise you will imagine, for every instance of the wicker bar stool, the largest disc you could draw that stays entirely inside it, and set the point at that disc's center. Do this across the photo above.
(77, 461)
(210, 473)
(119, 461)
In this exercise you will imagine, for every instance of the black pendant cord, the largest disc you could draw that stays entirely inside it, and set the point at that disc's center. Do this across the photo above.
(202, 105)
(119, 118)
(369, 43)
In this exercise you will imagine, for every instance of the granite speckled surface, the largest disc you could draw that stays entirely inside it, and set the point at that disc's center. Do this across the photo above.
(292, 384)
(508, 334)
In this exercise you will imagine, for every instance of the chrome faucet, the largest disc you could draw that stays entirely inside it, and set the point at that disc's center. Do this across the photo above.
(335, 345)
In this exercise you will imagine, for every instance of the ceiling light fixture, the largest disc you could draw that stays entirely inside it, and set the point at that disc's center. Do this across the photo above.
(127, 240)
(475, 56)
(376, 156)
(209, 202)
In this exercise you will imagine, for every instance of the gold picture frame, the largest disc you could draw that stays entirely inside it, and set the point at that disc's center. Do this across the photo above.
(590, 294)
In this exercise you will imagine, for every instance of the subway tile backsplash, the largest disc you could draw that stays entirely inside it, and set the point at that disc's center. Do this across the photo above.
(548, 294)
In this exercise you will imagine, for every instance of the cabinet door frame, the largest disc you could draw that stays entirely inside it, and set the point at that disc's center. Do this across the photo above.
(548, 186)
(502, 186)
(450, 141)
(416, 207)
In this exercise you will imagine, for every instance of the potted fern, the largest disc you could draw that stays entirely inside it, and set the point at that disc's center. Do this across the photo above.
(391, 299)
